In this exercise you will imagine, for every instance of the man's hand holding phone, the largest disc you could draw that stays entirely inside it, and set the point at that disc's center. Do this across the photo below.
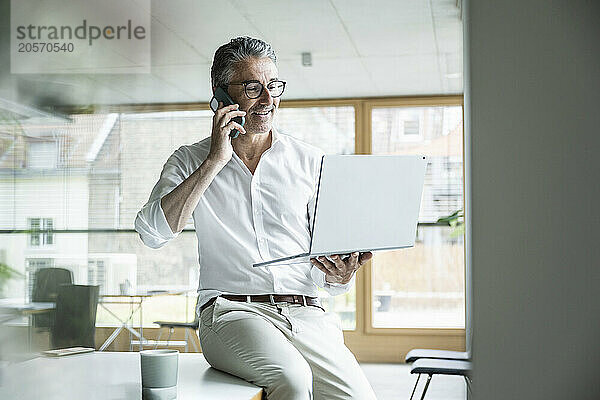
(223, 123)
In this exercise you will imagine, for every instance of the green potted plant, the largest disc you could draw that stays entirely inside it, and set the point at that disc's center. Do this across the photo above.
(7, 273)
(457, 221)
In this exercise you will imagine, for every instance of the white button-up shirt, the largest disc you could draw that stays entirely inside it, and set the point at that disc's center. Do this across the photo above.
(243, 218)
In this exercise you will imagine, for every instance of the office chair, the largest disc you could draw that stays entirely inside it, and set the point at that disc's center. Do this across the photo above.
(45, 289)
(438, 362)
(75, 318)
(432, 367)
(193, 326)
(416, 354)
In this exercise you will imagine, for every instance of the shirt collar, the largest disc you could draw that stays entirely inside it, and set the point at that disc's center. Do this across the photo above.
(274, 135)
(274, 139)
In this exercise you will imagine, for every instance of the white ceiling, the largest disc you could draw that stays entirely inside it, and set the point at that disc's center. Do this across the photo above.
(359, 48)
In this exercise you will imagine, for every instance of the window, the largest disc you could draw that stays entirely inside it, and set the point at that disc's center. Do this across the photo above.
(423, 287)
(107, 167)
(329, 128)
(107, 163)
(37, 239)
(123, 171)
(43, 154)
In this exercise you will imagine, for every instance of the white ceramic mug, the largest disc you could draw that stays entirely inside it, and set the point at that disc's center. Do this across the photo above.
(159, 374)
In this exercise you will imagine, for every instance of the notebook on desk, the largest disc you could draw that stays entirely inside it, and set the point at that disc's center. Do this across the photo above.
(68, 351)
(364, 203)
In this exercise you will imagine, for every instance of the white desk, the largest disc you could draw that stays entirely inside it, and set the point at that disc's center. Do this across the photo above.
(10, 308)
(110, 375)
(135, 301)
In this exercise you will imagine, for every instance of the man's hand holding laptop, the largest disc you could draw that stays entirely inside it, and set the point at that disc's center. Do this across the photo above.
(340, 268)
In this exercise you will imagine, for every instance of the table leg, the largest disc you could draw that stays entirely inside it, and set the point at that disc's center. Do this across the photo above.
(29, 331)
(141, 326)
(132, 312)
(111, 338)
(115, 333)
(186, 305)
(128, 323)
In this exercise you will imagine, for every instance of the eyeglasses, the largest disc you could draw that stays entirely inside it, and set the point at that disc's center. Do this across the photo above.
(254, 89)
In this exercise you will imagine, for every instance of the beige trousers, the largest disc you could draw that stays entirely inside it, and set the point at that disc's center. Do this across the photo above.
(294, 352)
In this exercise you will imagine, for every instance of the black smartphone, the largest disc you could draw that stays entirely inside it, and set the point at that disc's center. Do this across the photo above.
(221, 95)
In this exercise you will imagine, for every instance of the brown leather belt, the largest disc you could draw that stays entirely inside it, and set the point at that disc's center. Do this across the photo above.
(269, 298)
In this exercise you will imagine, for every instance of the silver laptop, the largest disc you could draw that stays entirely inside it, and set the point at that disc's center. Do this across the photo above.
(364, 203)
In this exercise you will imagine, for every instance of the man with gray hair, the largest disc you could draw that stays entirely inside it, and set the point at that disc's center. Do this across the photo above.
(251, 199)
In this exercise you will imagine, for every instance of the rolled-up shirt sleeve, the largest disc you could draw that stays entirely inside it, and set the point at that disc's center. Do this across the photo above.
(333, 289)
(150, 222)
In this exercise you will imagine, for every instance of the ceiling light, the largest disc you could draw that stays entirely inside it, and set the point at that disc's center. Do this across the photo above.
(306, 59)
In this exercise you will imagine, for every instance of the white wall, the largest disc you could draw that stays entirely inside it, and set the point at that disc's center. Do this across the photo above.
(533, 117)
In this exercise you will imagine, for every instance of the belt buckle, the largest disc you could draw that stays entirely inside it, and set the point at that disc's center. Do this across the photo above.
(273, 302)
(296, 297)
